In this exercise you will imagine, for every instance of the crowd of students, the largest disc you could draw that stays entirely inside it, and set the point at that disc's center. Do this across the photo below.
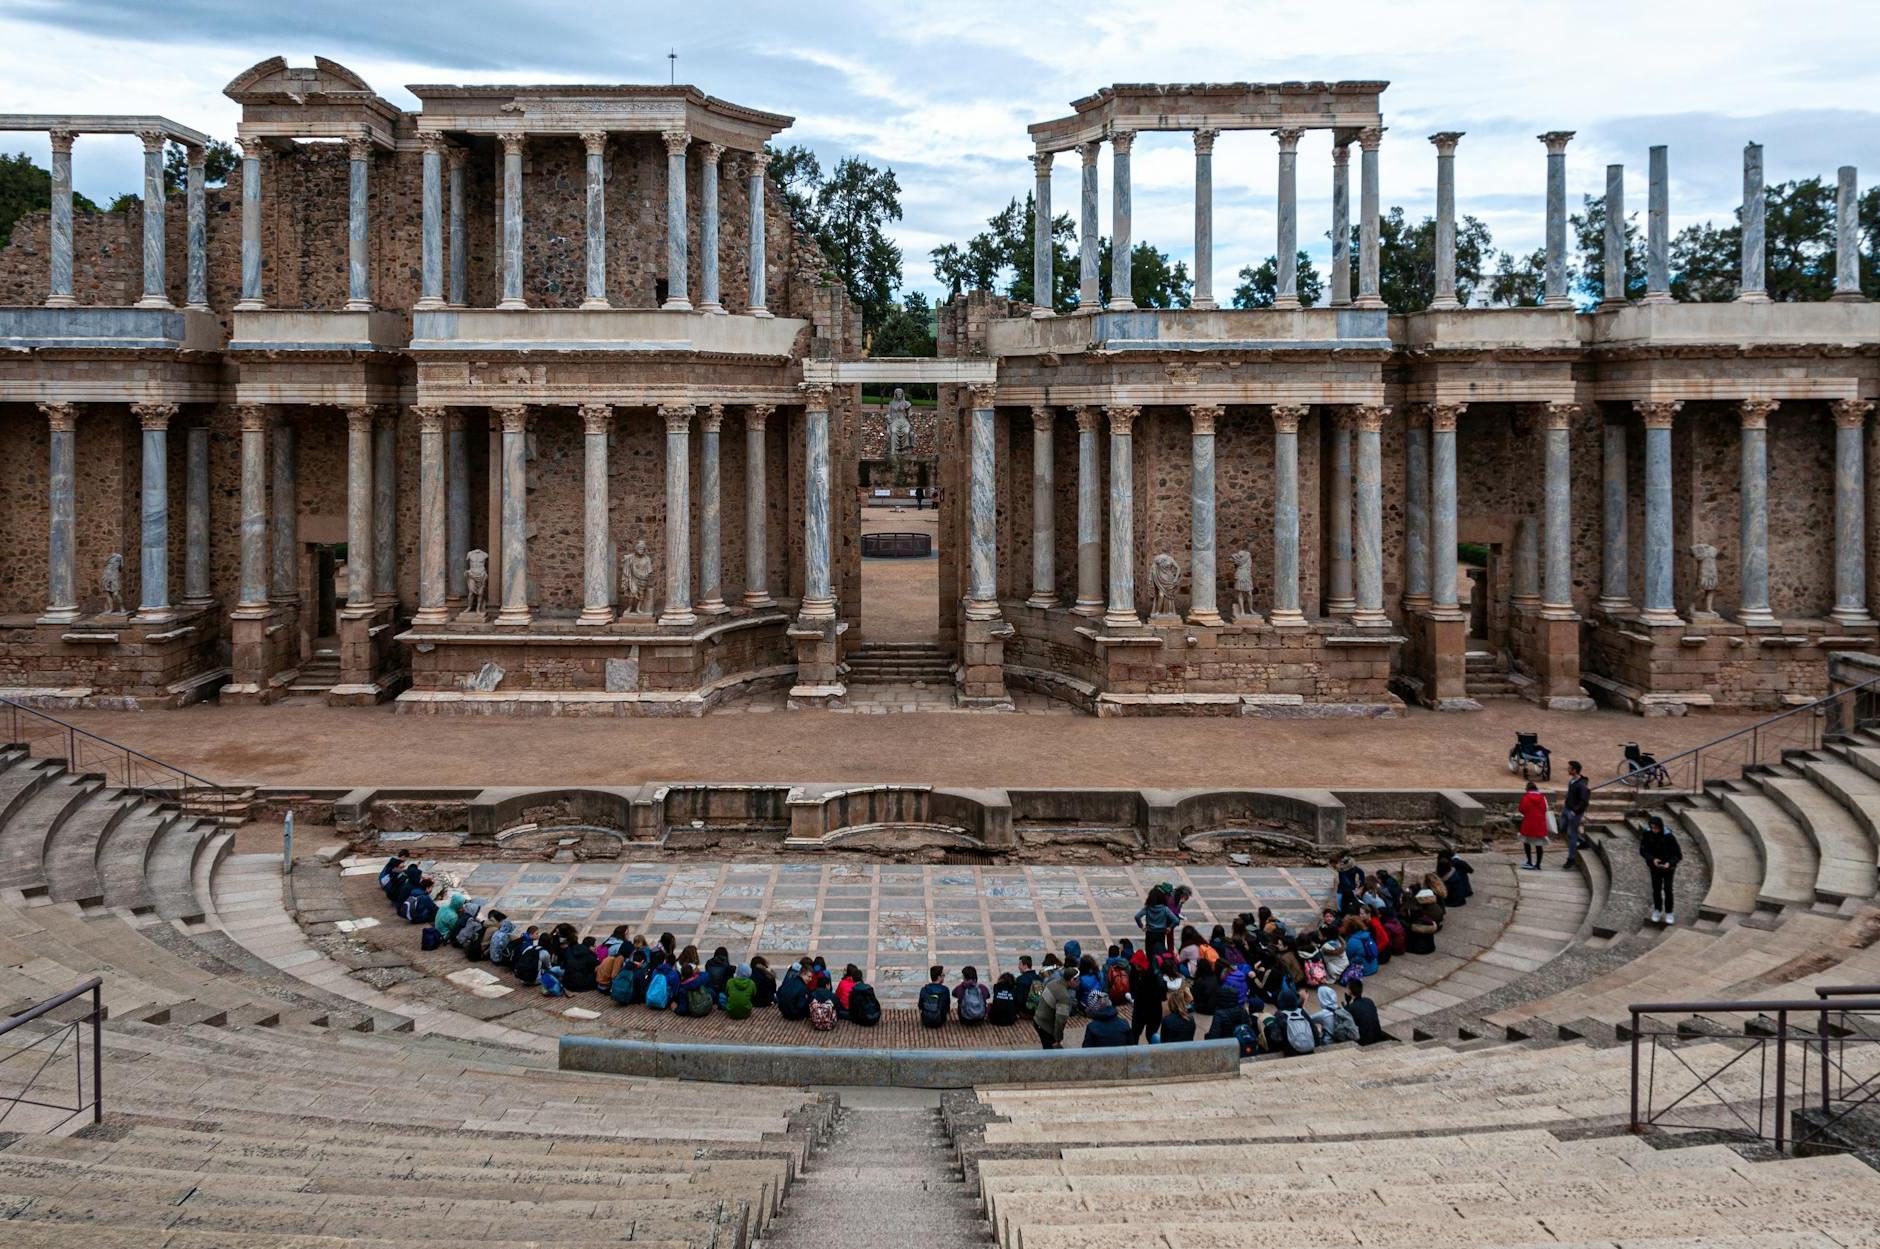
(1311, 978)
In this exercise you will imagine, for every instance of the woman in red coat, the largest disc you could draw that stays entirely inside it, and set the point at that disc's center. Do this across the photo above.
(1533, 826)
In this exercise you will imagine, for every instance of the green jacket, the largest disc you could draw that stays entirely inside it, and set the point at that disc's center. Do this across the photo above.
(1055, 1006)
(739, 991)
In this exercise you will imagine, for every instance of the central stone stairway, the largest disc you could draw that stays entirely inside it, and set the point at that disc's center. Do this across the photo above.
(899, 663)
(1485, 675)
(319, 672)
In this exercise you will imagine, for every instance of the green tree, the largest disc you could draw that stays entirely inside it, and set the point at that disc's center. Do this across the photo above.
(799, 173)
(854, 204)
(908, 329)
(1589, 229)
(1000, 258)
(1518, 282)
(1153, 282)
(1798, 247)
(1259, 287)
(1406, 259)
(219, 161)
(25, 188)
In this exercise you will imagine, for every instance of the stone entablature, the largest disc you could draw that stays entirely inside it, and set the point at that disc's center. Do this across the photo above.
(1215, 106)
(573, 110)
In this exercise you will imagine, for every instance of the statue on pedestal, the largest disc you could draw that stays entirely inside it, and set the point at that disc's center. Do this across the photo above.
(1706, 556)
(1165, 577)
(477, 579)
(636, 581)
(900, 428)
(1243, 584)
(112, 582)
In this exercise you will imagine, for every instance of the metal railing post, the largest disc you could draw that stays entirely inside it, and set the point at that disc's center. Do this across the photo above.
(97, 1053)
(1782, 1077)
(1821, 1033)
(1635, 1044)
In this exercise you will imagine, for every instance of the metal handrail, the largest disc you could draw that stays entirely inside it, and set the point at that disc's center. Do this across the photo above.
(1847, 990)
(187, 780)
(95, 987)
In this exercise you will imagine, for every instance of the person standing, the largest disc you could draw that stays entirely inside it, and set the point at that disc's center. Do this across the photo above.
(1533, 827)
(1147, 991)
(1662, 854)
(1573, 810)
(1054, 1007)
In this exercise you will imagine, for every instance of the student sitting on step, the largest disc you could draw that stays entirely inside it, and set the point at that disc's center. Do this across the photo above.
(971, 997)
(934, 1002)
(851, 976)
(718, 969)
(1106, 1029)
(1003, 1009)
(765, 995)
(1179, 1023)
(1364, 1011)
(579, 965)
(406, 881)
(503, 940)
(740, 993)
(393, 869)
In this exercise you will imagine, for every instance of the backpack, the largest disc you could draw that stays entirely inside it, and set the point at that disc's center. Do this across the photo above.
(429, 939)
(973, 1005)
(822, 1015)
(658, 992)
(1315, 973)
(1034, 995)
(864, 1006)
(621, 987)
(1118, 986)
(1299, 1038)
(1205, 953)
(1344, 1027)
(1369, 943)
(476, 951)
(526, 964)
(611, 969)
(1249, 1044)
(933, 1005)
(467, 934)
(1275, 1034)
(550, 980)
(1398, 934)
(699, 1000)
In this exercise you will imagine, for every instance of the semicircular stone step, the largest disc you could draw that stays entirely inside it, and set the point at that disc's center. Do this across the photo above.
(122, 855)
(1789, 858)
(24, 836)
(1736, 868)
(1846, 865)
(72, 852)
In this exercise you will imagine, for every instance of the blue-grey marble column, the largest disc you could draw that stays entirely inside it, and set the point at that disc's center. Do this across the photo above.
(1341, 223)
(1338, 595)
(1089, 298)
(1121, 613)
(1847, 234)
(1369, 419)
(156, 287)
(512, 142)
(1287, 291)
(1203, 607)
(1043, 509)
(1089, 514)
(59, 293)
(459, 252)
(196, 513)
(1416, 497)
(433, 581)
(1369, 140)
(358, 224)
(154, 558)
(284, 513)
(1285, 611)
(756, 508)
(251, 224)
(1850, 511)
(757, 173)
(678, 608)
(597, 542)
(1444, 598)
(385, 507)
(457, 511)
(1660, 606)
(1753, 492)
(709, 156)
(1122, 297)
(1042, 253)
(515, 534)
(1658, 228)
(711, 576)
(1527, 563)
(1556, 273)
(1557, 512)
(359, 422)
(431, 212)
(982, 593)
(254, 502)
(1613, 254)
(595, 141)
(1615, 592)
(62, 511)
(1750, 286)
(1445, 296)
(819, 601)
(196, 230)
(1204, 218)
(678, 295)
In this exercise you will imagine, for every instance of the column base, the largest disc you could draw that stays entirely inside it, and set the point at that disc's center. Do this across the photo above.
(1558, 301)
(512, 304)
(713, 308)
(982, 609)
(1284, 618)
(1204, 305)
(359, 305)
(1756, 617)
(1207, 618)
(429, 305)
(252, 611)
(1369, 303)
(197, 308)
(1752, 297)
(1371, 619)
(1847, 297)
(1122, 305)
(1613, 606)
(816, 611)
(59, 615)
(1558, 611)
(1447, 304)
(1659, 616)
(431, 616)
(1287, 303)
(763, 314)
(595, 303)
(1658, 297)
(1088, 607)
(713, 606)
(514, 616)
(250, 305)
(1850, 616)
(758, 598)
(673, 619)
(676, 305)
(1340, 606)
(1042, 314)
(154, 301)
(1612, 305)
(1042, 601)
(595, 617)
(1416, 602)
(61, 301)
(1122, 620)
(156, 615)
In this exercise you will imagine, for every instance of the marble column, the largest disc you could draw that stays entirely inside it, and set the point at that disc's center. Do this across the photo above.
(678, 606)
(678, 297)
(284, 513)
(1043, 510)
(459, 252)
(196, 590)
(1204, 218)
(154, 565)
(433, 581)
(1341, 222)
(1445, 601)
(1338, 596)
(1753, 493)
(253, 602)
(1042, 253)
(819, 602)
(1089, 514)
(711, 577)
(1204, 581)
(456, 511)
(1369, 140)
(595, 142)
(1122, 609)
(1556, 272)
(196, 230)
(251, 224)
(1369, 419)
(1445, 142)
(1850, 511)
(512, 142)
(709, 156)
(431, 222)
(1660, 606)
(1658, 228)
(1286, 612)
(515, 528)
(59, 291)
(359, 501)
(62, 512)
(156, 288)
(1526, 578)
(1847, 234)
(597, 542)
(982, 593)
(1750, 288)
(757, 172)
(1287, 291)
(756, 508)
(385, 507)
(1615, 593)
(1557, 510)
(1122, 297)
(1613, 252)
(1417, 508)
(1089, 297)
(358, 223)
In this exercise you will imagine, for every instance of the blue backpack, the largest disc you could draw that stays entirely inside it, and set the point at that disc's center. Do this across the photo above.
(429, 939)
(550, 980)
(1249, 1045)
(658, 993)
(624, 987)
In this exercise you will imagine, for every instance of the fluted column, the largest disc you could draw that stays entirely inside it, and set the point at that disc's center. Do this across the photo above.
(431, 220)
(1043, 510)
(253, 602)
(385, 507)
(1658, 228)
(512, 142)
(1122, 609)
(515, 528)
(154, 556)
(1850, 511)
(1416, 595)
(195, 229)
(1204, 218)
(196, 514)
(678, 607)
(1556, 271)
(1089, 514)
(432, 579)
(156, 289)
(597, 543)
(1847, 234)
(1753, 492)
(595, 143)
(819, 602)
(251, 224)
(678, 297)
(1446, 218)
(1285, 612)
(1338, 595)
(1369, 419)
(1660, 607)
(1557, 513)
(459, 253)
(59, 290)
(1089, 296)
(457, 511)
(62, 510)
(358, 258)
(1043, 255)
(1203, 608)
(359, 501)
(1122, 297)
(1750, 287)
(982, 594)
(1287, 291)
(711, 578)
(1614, 249)
(757, 172)
(1341, 222)
(756, 508)
(1444, 598)
(1369, 140)
(1615, 593)
(709, 156)
(284, 517)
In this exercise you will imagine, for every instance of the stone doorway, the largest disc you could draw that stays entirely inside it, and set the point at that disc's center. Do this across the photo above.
(901, 593)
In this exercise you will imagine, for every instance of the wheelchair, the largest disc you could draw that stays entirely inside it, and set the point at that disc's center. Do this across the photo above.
(1529, 758)
(1642, 770)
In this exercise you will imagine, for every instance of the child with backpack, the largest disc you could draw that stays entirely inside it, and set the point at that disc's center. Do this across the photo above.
(971, 996)
(793, 995)
(851, 976)
(864, 1006)
(1003, 1009)
(766, 993)
(934, 1001)
(1290, 1031)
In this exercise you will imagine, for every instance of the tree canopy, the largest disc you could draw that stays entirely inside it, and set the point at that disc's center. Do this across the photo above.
(1259, 286)
(847, 212)
(219, 161)
(25, 188)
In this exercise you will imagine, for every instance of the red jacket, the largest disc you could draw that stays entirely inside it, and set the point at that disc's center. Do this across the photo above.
(1534, 814)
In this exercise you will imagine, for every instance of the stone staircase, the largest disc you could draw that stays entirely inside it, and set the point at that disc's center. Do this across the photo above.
(319, 672)
(899, 663)
(1486, 675)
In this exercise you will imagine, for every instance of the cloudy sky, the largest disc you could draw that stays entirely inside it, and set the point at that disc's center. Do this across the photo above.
(942, 92)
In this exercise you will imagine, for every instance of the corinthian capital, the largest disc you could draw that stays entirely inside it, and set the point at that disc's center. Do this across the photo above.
(595, 417)
(154, 415)
(676, 141)
(359, 146)
(1122, 417)
(512, 141)
(1755, 413)
(1851, 413)
(815, 395)
(1369, 417)
(678, 417)
(758, 415)
(1559, 415)
(982, 395)
(1203, 417)
(61, 418)
(514, 417)
(1443, 417)
(253, 417)
(1658, 413)
(430, 418)
(595, 141)
(1286, 417)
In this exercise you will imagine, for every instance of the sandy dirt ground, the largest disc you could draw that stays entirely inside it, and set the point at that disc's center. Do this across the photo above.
(899, 596)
